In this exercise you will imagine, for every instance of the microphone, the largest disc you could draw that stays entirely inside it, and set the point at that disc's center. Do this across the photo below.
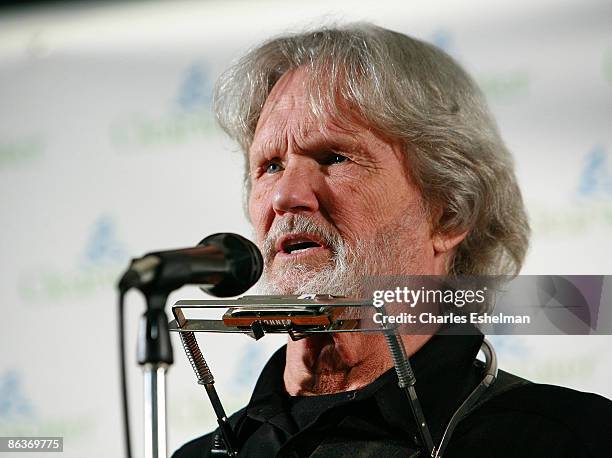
(223, 264)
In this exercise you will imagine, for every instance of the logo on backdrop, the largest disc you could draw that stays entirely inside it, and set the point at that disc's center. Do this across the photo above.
(195, 91)
(21, 151)
(596, 177)
(502, 87)
(589, 205)
(97, 269)
(20, 417)
(13, 403)
(188, 117)
(103, 245)
(443, 39)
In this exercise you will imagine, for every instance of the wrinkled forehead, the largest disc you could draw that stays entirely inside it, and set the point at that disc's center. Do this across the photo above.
(302, 108)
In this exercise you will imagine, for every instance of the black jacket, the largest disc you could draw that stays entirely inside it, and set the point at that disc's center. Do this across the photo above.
(517, 419)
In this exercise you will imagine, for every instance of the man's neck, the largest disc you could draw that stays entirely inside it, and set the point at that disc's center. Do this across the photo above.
(334, 363)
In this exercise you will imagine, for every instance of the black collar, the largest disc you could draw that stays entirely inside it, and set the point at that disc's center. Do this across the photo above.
(445, 375)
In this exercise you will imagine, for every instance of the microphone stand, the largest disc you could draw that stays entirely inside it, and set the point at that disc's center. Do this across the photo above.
(222, 264)
(154, 351)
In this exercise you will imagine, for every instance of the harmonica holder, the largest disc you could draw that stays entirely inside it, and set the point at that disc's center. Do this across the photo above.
(302, 316)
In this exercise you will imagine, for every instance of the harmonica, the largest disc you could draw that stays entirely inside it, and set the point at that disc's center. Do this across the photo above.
(258, 315)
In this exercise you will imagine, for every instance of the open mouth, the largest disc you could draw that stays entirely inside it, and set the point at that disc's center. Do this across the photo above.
(297, 244)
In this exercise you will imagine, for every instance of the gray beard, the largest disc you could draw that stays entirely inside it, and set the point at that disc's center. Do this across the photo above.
(339, 278)
(343, 275)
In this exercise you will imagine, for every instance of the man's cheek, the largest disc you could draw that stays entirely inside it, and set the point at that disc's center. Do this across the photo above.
(358, 216)
(258, 206)
(260, 212)
(354, 224)
(367, 196)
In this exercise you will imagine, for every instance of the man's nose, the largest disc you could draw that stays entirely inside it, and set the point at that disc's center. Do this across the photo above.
(296, 190)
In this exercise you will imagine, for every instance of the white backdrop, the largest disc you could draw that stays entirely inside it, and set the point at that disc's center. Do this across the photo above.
(108, 150)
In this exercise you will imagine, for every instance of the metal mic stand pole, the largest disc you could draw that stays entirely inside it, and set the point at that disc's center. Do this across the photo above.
(155, 356)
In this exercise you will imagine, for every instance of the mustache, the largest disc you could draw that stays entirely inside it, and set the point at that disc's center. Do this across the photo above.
(300, 224)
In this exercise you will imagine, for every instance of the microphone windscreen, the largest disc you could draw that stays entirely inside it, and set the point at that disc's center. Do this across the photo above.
(244, 261)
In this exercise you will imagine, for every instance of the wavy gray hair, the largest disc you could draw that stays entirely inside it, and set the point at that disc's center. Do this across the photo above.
(412, 92)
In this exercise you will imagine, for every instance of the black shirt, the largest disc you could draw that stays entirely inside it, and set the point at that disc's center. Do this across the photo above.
(518, 419)
(305, 409)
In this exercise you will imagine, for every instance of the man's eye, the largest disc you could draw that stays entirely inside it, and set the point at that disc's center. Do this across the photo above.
(273, 167)
(334, 159)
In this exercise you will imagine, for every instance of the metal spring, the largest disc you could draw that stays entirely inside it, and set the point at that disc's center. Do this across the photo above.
(400, 361)
(197, 361)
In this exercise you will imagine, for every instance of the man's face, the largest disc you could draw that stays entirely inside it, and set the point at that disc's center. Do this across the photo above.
(331, 201)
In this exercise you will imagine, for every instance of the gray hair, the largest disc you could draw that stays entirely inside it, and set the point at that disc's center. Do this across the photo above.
(412, 92)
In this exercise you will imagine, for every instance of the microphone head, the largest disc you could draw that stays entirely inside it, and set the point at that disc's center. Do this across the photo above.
(244, 260)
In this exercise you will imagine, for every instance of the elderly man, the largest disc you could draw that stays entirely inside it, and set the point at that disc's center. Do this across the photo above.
(371, 153)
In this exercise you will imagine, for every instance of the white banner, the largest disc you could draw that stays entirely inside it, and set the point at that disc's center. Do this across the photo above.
(108, 149)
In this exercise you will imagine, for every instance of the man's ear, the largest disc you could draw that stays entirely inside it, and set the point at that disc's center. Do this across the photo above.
(444, 243)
